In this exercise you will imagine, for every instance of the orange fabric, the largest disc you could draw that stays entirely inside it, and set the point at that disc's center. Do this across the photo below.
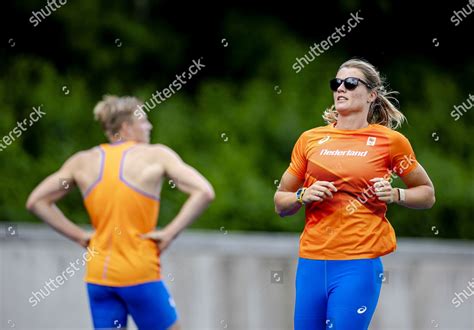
(119, 213)
(352, 225)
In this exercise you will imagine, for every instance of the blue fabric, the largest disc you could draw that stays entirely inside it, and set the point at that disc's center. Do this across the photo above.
(337, 294)
(149, 304)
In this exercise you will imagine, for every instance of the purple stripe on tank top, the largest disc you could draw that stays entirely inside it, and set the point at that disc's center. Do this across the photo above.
(102, 160)
(138, 190)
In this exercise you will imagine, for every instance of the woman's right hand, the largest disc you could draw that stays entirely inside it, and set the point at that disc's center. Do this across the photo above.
(318, 191)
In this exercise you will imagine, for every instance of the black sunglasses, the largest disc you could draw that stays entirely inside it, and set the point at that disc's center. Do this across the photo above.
(350, 83)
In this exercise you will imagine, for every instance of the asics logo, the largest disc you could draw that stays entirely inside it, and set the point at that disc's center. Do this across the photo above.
(325, 139)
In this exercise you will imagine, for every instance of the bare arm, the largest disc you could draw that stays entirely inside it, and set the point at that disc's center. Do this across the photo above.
(42, 203)
(420, 193)
(285, 197)
(189, 181)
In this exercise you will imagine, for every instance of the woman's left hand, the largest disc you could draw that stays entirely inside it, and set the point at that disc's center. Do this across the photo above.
(384, 191)
(85, 239)
(161, 237)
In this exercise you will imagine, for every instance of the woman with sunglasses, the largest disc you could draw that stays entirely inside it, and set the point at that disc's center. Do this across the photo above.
(341, 174)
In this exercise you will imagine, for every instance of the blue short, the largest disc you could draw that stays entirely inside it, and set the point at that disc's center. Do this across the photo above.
(337, 294)
(149, 304)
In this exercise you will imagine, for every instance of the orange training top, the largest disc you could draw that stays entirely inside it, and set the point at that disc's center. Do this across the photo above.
(351, 225)
(119, 213)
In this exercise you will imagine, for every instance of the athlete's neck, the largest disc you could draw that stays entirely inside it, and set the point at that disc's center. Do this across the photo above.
(120, 141)
(117, 142)
(350, 123)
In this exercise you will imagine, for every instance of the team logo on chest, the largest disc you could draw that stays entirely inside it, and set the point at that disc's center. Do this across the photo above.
(371, 141)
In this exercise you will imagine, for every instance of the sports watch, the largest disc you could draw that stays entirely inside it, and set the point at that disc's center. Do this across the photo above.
(299, 195)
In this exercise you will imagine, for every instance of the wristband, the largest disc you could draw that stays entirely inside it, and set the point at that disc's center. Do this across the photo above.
(402, 195)
(299, 195)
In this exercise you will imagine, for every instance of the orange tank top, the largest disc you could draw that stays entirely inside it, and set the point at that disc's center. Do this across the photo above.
(120, 213)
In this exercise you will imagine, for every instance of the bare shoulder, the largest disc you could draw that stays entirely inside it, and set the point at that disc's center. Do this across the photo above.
(83, 157)
(162, 151)
(158, 154)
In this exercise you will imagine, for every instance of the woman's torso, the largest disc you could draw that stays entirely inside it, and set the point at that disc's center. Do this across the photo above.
(121, 185)
(351, 225)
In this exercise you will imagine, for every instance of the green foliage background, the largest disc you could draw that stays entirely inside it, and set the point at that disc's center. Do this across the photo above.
(241, 102)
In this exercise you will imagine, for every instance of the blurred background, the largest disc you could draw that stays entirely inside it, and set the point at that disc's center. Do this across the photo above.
(236, 120)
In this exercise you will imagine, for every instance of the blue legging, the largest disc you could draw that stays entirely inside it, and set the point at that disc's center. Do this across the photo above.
(336, 294)
(149, 304)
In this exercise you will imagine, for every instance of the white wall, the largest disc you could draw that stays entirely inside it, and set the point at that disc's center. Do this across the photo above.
(223, 281)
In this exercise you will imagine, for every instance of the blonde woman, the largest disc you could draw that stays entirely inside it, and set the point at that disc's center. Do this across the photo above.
(341, 174)
(121, 182)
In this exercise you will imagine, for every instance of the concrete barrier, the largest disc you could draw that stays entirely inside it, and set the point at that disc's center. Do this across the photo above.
(223, 280)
